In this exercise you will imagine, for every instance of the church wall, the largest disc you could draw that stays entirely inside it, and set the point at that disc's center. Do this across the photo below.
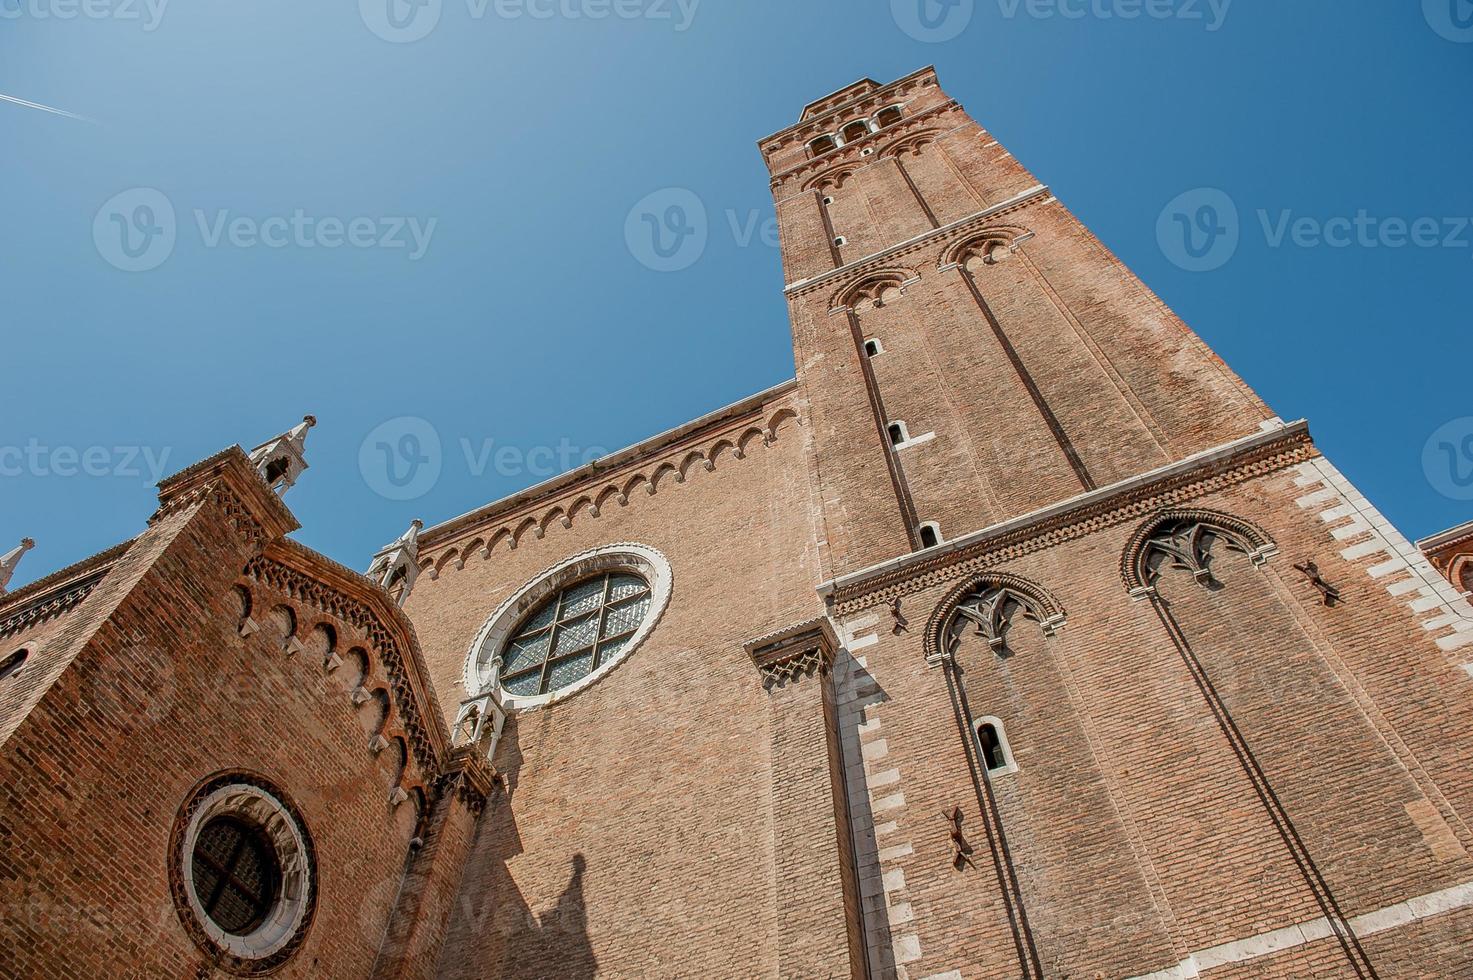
(1135, 835)
(165, 693)
(639, 832)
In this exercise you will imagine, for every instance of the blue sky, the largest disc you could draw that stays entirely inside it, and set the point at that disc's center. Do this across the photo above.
(301, 151)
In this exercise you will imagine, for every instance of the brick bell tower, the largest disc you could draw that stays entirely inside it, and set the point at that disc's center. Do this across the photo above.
(1131, 681)
(1021, 365)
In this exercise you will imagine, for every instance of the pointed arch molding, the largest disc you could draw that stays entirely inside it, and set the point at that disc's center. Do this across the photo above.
(1245, 536)
(870, 285)
(1039, 601)
(982, 241)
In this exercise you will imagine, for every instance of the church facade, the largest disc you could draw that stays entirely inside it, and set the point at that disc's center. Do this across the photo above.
(1014, 636)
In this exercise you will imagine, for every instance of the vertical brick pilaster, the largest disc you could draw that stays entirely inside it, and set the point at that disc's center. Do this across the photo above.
(421, 915)
(813, 853)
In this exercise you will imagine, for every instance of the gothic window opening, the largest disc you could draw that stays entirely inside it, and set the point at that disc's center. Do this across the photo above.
(822, 145)
(930, 534)
(12, 664)
(989, 614)
(888, 116)
(571, 635)
(856, 130)
(992, 742)
(236, 875)
(1191, 546)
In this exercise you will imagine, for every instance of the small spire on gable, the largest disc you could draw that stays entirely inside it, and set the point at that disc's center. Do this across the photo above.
(396, 566)
(281, 460)
(11, 559)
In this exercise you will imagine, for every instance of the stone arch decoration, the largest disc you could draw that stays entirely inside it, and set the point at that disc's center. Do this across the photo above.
(1184, 539)
(832, 178)
(911, 144)
(871, 287)
(989, 603)
(984, 243)
(1462, 572)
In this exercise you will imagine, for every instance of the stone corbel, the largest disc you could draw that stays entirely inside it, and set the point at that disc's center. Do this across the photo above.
(801, 650)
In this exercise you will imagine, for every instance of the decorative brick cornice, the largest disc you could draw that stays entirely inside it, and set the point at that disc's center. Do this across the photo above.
(641, 470)
(306, 576)
(1236, 463)
(795, 651)
(231, 479)
(57, 593)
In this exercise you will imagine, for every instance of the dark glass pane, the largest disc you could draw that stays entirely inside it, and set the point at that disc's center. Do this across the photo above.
(524, 685)
(526, 653)
(235, 874)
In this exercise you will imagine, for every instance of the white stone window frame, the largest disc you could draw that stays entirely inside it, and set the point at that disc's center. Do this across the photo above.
(635, 559)
(879, 346)
(259, 808)
(935, 529)
(1010, 764)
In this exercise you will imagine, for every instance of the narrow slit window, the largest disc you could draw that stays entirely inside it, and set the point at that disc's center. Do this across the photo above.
(930, 535)
(993, 744)
(897, 433)
(872, 346)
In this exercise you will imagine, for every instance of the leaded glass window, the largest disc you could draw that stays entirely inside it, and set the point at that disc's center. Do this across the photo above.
(235, 874)
(571, 635)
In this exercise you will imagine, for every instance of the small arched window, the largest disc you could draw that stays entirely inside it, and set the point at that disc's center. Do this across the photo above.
(888, 116)
(930, 534)
(822, 145)
(12, 664)
(992, 742)
(897, 433)
(872, 346)
(857, 130)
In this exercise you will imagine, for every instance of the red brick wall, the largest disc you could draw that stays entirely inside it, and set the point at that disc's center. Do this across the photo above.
(165, 693)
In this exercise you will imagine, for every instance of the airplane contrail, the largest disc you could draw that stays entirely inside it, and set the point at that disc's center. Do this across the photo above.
(43, 108)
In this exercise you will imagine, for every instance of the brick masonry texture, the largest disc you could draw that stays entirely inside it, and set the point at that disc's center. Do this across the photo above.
(1225, 763)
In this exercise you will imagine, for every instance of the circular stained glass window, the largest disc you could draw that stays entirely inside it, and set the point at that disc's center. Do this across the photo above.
(584, 626)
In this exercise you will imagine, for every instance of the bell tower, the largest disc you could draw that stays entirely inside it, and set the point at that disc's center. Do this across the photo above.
(970, 352)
